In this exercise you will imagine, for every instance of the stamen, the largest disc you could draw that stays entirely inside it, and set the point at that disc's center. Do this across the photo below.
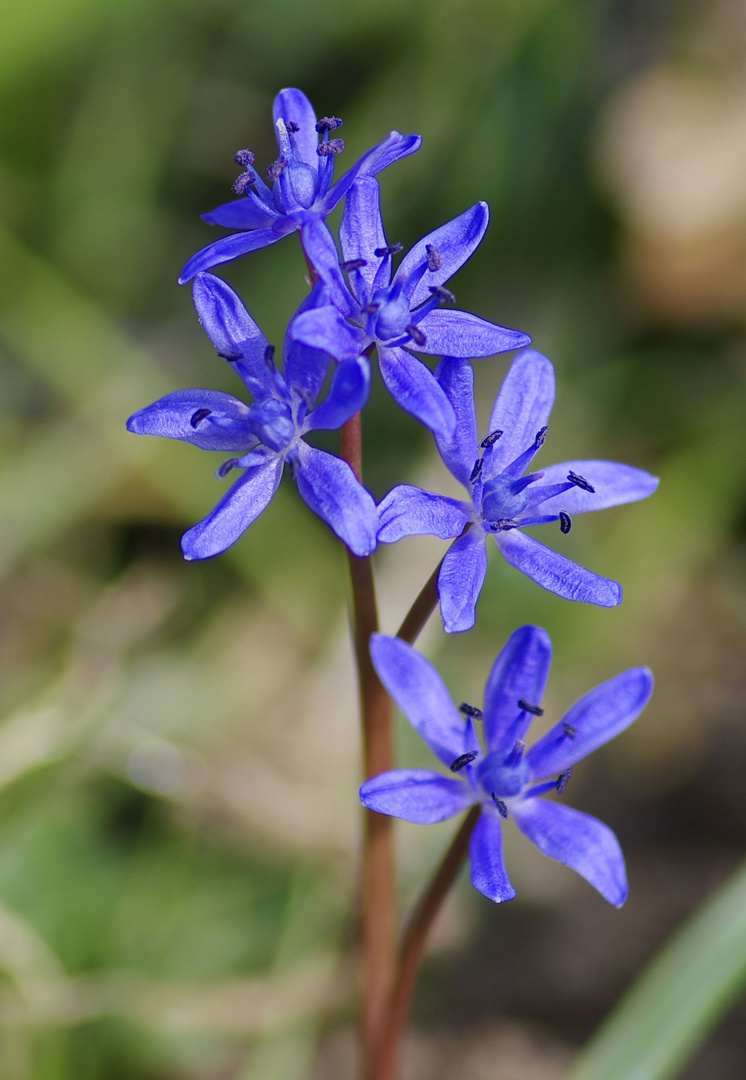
(230, 357)
(474, 475)
(371, 309)
(535, 710)
(354, 264)
(199, 416)
(444, 295)
(501, 807)
(569, 731)
(470, 710)
(491, 439)
(565, 522)
(276, 169)
(416, 335)
(242, 182)
(390, 249)
(434, 260)
(328, 123)
(541, 435)
(503, 525)
(226, 467)
(562, 780)
(269, 357)
(519, 748)
(465, 759)
(244, 158)
(291, 127)
(581, 482)
(334, 146)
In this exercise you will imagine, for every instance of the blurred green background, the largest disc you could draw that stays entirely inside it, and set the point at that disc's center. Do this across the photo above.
(178, 755)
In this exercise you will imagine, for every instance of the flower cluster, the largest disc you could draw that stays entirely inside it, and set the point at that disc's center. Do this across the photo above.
(360, 302)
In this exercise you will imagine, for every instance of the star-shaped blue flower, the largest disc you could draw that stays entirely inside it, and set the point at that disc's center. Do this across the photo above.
(269, 433)
(504, 778)
(301, 188)
(502, 500)
(399, 314)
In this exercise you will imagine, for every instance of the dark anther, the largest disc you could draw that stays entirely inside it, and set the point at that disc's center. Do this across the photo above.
(334, 146)
(390, 249)
(371, 309)
(328, 123)
(470, 710)
(416, 335)
(565, 522)
(269, 357)
(503, 525)
(354, 264)
(276, 168)
(444, 295)
(244, 158)
(226, 467)
(434, 261)
(569, 731)
(474, 475)
(562, 780)
(465, 759)
(535, 710)
(245, 180)
(581, 482)
(501, 807)
(199, 416)
(541, 435)
(291, 127)
(230, 358)
(491, 439)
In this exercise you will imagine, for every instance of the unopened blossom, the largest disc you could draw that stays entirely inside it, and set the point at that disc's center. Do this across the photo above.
(299, 187)
(404, 313)
(503, 498)
(497, 772)
(268, 434)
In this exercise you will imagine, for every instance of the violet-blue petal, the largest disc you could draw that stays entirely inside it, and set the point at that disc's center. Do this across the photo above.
(519, 673)
(206, 418)
(248, 212)
(460, 581)
(455, 242)
(556, 573)
(326, 329)
(292, 105)
(459, 333)
(416, 795)
(239, 507)
(414, 387)
(521, 408)
(598, 717)
(321, 251)
(615, 484)
(487, 873)
(393, 147)
(228, 248)
(460, 451)
(578, 841)
(421, 694)
(411, 511)
(305, 368)
(361, 233)
(328, 485)
(347, 395)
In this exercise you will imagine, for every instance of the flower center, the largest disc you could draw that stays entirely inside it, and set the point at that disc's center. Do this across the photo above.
(503, 498)
(498, 778)
(272, 423)
(392, 315)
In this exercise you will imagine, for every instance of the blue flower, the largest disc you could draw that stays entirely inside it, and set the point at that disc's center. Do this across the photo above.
(501, 499)
(400, 314)
(266, 435)
(301, 182)
(504, 778)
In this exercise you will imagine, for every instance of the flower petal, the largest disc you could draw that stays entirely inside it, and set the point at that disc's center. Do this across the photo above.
(519, 673)
(416, 390)
(421, 694)
(328, 485)
(347, 395)
(614, 483)
(576, 840)
(598, 717)
(410, 511)
(244, 213)
(321, 251)
(205, 418)
(455, 242)
(393, 147)
(521, 409)
(326, 329)
(305, 368)
(556, 573)
(416, 795)
(230, 247)
(460, 451)
(238, 508)
(293, 105)
(458, 333)
(460, 581)
(488, 873)
(361, 233)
